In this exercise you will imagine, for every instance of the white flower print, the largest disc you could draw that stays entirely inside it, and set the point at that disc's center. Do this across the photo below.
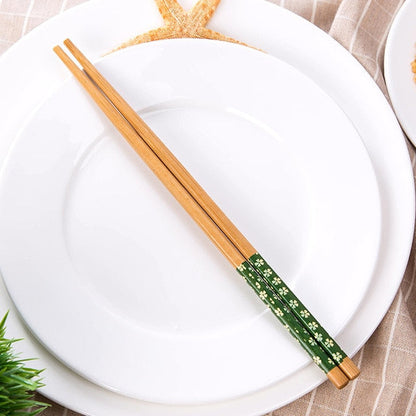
(283, 291)
(337, 357)
(241, 267)
(317, 360)
(258, 285)
(259, 262)
(311, 341)
(313, 325)
(329, 342)
(304, 313)
(293, 303)
(276, 280)
(279, 312)
(263, 295)
(318, 336)
(267, 273)
(330, 361)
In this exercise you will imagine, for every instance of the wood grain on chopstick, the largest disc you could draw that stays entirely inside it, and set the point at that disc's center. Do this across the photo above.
(199, 205)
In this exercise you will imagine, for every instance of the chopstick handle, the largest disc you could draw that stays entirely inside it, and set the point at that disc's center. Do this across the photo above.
(304, 316)
(295, 328)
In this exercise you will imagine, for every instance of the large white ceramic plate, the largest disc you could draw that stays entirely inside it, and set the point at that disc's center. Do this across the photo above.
(29, 71)
(400, 52)
(88, 232)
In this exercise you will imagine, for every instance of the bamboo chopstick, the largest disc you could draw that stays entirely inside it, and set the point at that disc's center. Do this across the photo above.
(252, 257)
(258, 282)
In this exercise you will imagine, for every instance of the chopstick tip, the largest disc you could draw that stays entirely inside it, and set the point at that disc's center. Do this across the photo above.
(57, 49)
(337, 378)
(349, 368)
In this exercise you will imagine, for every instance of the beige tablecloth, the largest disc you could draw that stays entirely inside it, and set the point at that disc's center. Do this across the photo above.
(387, 385)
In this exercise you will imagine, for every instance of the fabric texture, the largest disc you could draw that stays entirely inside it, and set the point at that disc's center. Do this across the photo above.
(387, 384)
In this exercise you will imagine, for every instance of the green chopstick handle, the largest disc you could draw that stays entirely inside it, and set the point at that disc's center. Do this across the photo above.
(282, 312)
(298, 309)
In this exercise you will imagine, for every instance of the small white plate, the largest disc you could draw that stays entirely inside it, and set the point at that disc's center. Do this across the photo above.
(142, 302)
(400, 52)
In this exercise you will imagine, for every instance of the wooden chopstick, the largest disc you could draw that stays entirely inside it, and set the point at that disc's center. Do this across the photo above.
(218, 216)
(168, 158)
(193, 208)
(154, 163)
(253, 258)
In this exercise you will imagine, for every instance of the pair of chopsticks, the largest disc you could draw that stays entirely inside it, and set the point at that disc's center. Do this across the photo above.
(269, 287)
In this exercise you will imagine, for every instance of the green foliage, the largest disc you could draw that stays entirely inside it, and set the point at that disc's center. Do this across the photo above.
(17, 382)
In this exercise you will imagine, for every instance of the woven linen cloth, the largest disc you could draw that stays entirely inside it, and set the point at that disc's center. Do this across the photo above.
(387, 384)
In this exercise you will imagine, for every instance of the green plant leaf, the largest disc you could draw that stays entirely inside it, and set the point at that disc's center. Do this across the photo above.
(17, 381)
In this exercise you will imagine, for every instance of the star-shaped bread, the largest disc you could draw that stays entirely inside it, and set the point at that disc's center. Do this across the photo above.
(181, 24)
